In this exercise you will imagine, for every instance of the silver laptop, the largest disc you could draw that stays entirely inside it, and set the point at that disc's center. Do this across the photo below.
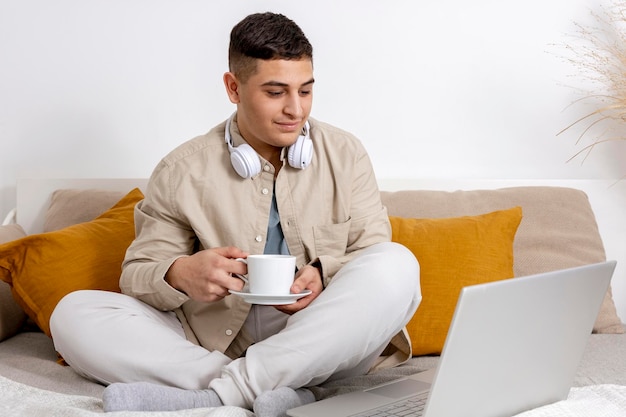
(513, 345)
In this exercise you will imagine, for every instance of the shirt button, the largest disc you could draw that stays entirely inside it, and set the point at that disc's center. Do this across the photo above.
(265, 191)
(266, 168)
(229, 332)
(258, 238)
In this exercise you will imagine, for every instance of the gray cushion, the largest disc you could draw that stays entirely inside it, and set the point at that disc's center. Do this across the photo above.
(11, 314)
(69, 207)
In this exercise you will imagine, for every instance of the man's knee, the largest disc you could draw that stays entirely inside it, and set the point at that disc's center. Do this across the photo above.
(396, 261)
(386, 268)
(67, 309)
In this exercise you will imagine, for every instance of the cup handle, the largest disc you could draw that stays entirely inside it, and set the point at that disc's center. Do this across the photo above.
(241, 277)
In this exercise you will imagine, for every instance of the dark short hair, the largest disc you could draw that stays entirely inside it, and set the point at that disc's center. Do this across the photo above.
(265, 36)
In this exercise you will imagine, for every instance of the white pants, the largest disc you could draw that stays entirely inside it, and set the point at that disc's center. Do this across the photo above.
(110, 337)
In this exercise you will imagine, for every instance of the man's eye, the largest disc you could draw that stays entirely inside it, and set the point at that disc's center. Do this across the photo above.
(274, 93)
(305, 92)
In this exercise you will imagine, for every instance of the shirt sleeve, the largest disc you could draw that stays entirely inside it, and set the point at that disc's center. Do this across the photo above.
(161, 238)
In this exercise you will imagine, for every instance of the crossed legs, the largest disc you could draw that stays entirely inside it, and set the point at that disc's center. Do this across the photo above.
(114, 338)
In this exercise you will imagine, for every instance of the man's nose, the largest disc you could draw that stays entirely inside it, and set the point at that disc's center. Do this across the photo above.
(293, 106)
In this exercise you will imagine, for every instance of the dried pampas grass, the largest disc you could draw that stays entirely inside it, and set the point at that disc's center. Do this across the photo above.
(599, 52)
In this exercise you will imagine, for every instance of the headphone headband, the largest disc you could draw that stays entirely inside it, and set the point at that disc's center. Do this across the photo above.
(245, 160)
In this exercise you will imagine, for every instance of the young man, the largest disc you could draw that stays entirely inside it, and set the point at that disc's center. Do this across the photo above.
(269, 180)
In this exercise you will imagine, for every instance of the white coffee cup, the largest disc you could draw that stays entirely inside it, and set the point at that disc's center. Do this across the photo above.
(269, 274)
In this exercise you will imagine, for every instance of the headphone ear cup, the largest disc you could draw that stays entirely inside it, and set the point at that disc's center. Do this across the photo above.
(300, 153)
(245, 161)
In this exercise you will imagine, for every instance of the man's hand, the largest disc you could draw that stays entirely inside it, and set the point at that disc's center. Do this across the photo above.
(206, 275)
(307, 278)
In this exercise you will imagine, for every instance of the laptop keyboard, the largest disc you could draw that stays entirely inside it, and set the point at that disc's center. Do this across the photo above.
(409, 407)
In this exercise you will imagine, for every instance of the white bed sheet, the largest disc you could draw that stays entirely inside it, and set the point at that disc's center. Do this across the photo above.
(19, 400)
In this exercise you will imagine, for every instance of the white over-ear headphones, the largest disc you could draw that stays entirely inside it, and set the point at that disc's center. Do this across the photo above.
(245, 160)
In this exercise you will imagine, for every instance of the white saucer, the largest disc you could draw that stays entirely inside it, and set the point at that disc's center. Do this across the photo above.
(268, 299)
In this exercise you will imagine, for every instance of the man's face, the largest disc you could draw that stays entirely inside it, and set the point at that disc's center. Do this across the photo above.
(273, 104)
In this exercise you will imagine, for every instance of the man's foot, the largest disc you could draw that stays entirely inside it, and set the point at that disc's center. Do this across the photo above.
(144, 396)
(276, 403)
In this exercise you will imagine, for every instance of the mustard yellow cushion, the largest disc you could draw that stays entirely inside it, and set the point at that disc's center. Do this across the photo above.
(454, 253)
(43, 268)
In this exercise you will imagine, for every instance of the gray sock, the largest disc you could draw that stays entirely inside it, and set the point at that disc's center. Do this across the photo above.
(276, 403)
(144, 396)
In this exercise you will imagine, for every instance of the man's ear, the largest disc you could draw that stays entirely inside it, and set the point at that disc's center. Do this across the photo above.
(232, 87)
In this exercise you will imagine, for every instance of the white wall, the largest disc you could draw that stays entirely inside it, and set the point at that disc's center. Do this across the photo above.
(104, 88)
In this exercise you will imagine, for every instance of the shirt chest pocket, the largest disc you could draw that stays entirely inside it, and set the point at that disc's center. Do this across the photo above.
(331, 239)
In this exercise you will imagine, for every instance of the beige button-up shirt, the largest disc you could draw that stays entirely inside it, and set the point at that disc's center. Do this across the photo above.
(195, 200)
